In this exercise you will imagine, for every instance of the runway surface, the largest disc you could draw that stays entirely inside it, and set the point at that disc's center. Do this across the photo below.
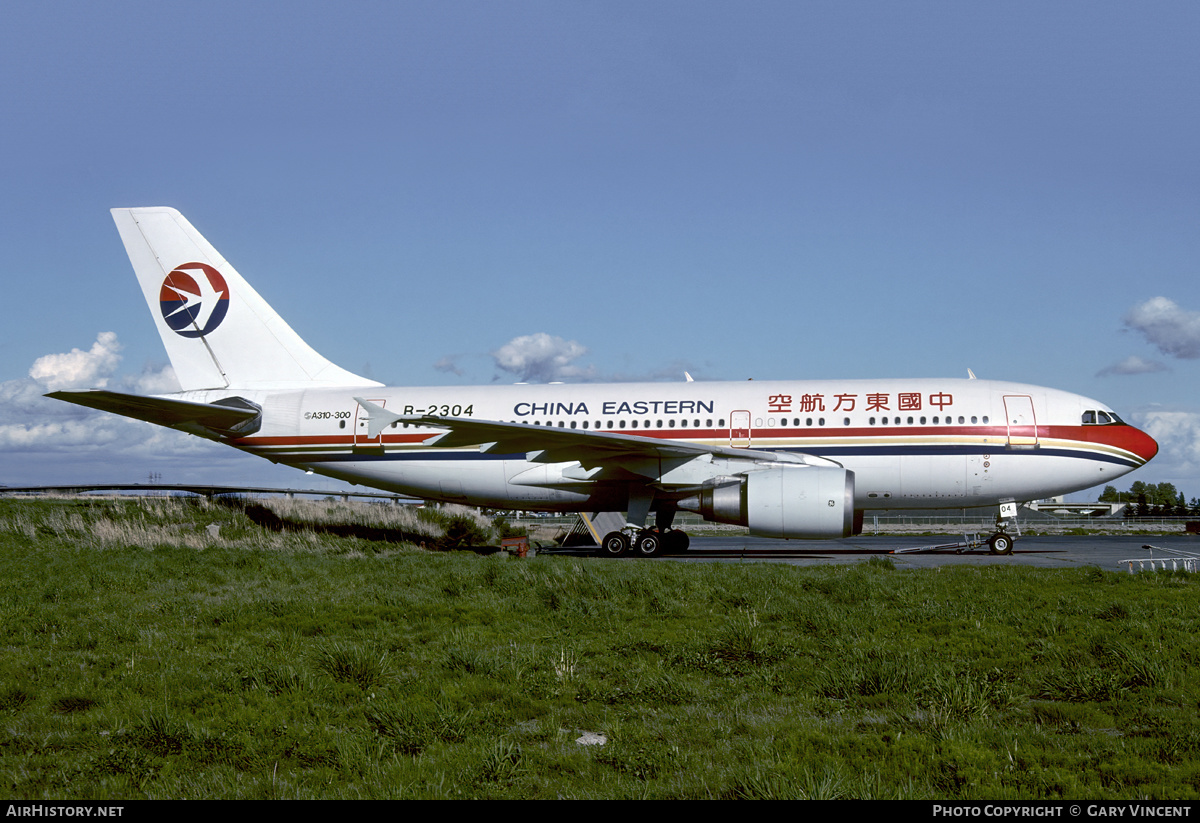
(1111, 552)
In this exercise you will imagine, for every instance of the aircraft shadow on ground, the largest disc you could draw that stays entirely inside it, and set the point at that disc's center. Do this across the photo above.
(265, 518)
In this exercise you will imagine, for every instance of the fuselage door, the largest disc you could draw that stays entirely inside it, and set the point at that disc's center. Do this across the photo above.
(739, 429)
(1022, 422)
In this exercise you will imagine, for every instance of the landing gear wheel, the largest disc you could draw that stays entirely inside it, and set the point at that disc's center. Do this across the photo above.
(1000, 543)
(615, 544)
(675, 541)
(649, 543)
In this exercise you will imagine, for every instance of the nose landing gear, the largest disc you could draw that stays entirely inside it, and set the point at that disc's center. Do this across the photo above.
(1002, 542)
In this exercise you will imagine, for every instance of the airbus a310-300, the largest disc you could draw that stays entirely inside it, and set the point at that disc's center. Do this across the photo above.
(787, 459)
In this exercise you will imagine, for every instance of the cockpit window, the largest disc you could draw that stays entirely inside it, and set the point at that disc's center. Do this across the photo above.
(1094, 417)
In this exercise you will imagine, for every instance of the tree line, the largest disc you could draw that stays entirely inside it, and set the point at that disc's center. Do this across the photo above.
(1152, 500)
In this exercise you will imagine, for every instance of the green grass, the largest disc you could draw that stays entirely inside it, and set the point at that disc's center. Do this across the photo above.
(319, 654)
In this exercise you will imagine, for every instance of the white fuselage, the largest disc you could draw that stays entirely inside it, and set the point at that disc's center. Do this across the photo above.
(919, 443)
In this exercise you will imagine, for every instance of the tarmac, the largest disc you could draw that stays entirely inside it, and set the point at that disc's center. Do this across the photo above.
(1110, 552)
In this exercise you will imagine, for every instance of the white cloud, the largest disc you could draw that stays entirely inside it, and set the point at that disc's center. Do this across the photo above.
(151, 381)
(449, 364)
(545, 358)
(1173, 329)
(1132, 365)
(542, 358)
(1178, 437)
(79, 369)
(32, 424)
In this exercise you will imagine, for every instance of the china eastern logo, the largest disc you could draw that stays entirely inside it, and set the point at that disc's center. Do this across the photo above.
(194, 299)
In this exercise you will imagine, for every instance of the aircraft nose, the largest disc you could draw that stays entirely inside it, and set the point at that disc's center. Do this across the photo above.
(1135, 443)
(1143, 445)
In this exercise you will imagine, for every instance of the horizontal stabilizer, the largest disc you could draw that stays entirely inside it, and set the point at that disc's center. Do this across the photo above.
(231, 416)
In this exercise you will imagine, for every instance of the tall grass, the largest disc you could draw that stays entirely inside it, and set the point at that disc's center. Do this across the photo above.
(266, 524)
(318, 653)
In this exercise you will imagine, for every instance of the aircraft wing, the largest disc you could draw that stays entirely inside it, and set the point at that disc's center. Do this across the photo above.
(547, 444)
(232, 416)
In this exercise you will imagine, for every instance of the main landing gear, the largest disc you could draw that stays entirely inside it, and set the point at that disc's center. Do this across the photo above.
(639, 540)
(650, 542)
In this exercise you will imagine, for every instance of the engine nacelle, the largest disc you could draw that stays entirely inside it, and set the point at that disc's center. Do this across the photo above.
(808, 502)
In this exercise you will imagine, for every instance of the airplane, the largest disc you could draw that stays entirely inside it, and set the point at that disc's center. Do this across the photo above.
(786, 459)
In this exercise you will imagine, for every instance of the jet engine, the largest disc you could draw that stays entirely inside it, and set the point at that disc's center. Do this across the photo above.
(810, 502)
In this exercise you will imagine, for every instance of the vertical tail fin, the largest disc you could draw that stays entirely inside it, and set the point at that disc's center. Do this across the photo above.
(218, 332)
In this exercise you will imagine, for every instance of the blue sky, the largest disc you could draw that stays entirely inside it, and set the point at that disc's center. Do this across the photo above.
(469, 192)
